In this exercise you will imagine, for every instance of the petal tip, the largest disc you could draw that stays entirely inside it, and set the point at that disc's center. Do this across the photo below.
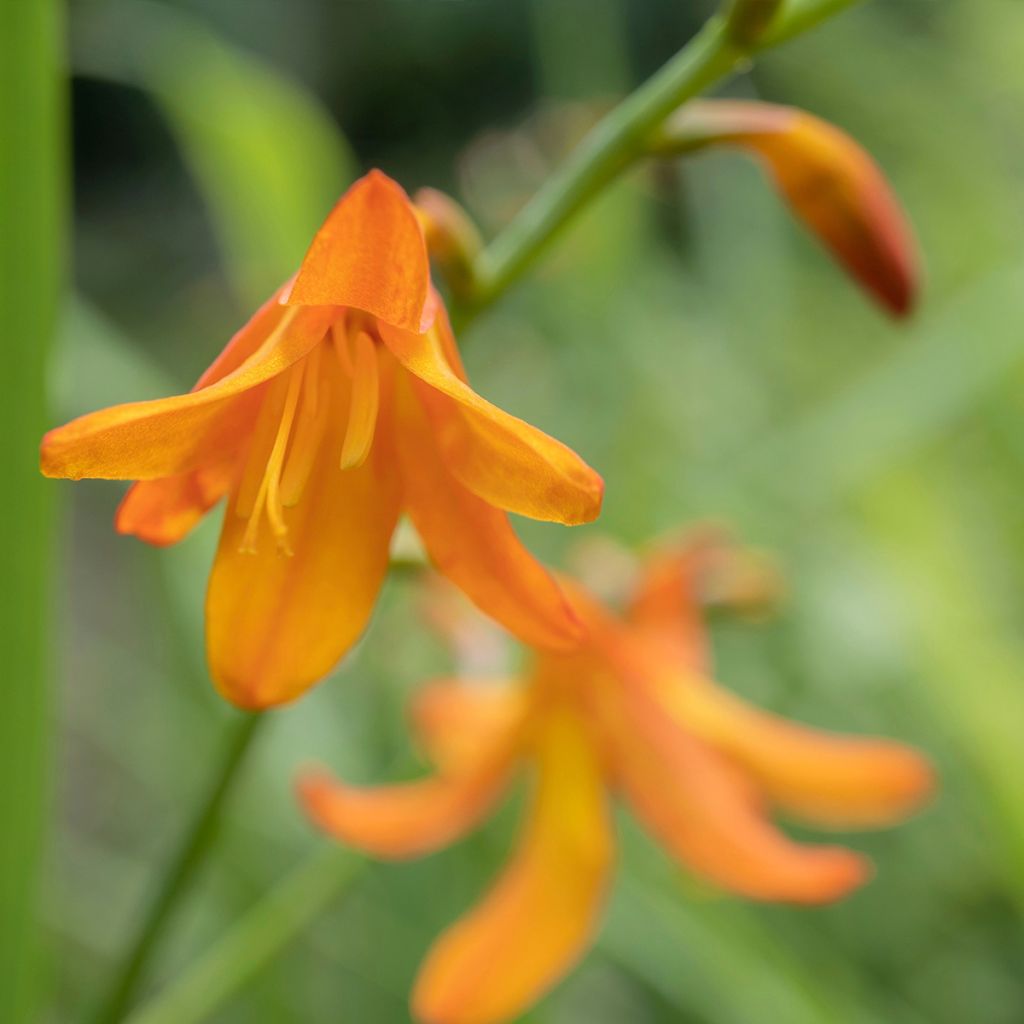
(370, 254)
(838, 873)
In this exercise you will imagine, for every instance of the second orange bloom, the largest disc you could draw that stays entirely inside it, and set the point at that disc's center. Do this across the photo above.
(632, 713)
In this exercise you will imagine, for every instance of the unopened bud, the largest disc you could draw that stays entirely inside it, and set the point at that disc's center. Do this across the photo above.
(452, 238)
(705, 569)
(827, 179)
(742, 581)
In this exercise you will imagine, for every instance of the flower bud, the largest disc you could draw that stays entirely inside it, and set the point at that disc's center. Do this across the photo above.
(828, 180)
(725, 575)
(452, 238)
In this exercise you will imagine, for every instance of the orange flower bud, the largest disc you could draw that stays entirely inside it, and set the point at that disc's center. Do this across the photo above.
(827, 179)
(452, 237)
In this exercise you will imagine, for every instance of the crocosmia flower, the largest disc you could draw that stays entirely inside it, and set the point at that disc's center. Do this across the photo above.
(632, 714)
(341, 404)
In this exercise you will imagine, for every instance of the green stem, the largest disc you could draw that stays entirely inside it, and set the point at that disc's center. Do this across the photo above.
(254, 940)
(799, 16)
(32, 220)
(180, 872)
(609, 148)
(617, 141)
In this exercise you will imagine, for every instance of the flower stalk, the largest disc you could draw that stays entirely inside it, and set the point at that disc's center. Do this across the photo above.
(621, 138)
(180, 872)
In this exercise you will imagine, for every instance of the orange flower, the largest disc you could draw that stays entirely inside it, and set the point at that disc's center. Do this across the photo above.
(828, 180)
(631, 713)
(340, 404)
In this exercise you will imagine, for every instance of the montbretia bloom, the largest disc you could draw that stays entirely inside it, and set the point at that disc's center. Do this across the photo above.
(341, 404)
(632, 714)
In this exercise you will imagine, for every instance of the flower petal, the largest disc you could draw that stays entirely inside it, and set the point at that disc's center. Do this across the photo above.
(704, 570)
(163, 511)
(500, 458)
(277, 624)
(456, 720)
(409, 819)
(695, 802)
(370, 255)
(666, 603)
(830, 183)
(168, 436)
(824, 778)
(474, 544)
(541, 914)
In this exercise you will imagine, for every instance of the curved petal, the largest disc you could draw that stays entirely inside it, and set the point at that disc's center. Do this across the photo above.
(822, 777)
(168, 436)
(542, 912)
(163, 511)
(474, 544)
(276, 624)
(456, 720)
(707, 816)
(501, 459)
(409, 819)
(370, 255)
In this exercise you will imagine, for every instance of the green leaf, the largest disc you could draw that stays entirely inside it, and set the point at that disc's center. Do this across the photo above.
(32, 183)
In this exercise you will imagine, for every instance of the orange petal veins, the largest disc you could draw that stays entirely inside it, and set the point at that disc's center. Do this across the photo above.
(163, 511)
(370, 255)
(542, 912)
(500, 458)
(697, 805)
(457, 720)
(821, 777)
(276, 624)
(473, 544)
(831, 184)
(410, 819)
(168, 436)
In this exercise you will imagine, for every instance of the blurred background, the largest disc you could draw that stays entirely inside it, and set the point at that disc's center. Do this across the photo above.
(692, 344)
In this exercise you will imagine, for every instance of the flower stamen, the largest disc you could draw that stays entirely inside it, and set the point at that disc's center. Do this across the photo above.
(365, 401)
(309, 432)
(268, 497)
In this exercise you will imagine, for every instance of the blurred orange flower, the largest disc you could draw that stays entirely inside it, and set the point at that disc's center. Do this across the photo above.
(828, 180)
(632, 713)
(340, 404)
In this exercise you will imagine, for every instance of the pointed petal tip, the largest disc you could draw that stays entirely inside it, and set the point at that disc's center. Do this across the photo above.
(913, 781)
(54, 464)
(590, 499)
(312, 786)
(370, 254)
(245, 698)
(833, 872)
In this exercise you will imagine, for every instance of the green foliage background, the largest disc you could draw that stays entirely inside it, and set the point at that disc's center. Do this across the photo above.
(694, 346)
